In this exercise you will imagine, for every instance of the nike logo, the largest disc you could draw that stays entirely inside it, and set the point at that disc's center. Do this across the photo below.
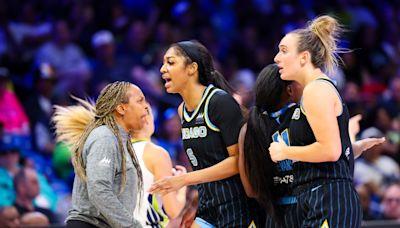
(315, 188)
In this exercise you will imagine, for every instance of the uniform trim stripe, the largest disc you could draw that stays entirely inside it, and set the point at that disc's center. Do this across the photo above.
(162, 215)
(206, 118)
(301, 107)
(186, 115)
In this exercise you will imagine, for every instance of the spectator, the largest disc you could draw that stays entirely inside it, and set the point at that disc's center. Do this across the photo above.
(39, 108)
(135, 44)
(67, 58)
(29, 31)
(12, 115)
(391, 202)
(8, 46)
(365, 199)
(9, 156)
(82, 21)
(371, 204)
(392, 100)
(106, 66)
(27, 188)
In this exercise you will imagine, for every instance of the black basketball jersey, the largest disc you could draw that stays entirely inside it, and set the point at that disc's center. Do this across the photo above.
(283, 170)
(302, 135)
(206, 133)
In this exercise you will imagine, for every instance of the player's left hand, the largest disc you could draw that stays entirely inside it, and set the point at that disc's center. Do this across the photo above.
(167, 185)
(368, 143)
(276, 150)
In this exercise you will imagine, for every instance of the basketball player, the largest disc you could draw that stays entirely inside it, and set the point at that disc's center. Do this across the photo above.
(269, 182)
(320, 143)
(211, 121)
(155, 162)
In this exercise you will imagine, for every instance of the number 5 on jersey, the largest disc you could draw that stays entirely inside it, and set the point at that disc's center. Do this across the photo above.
(191, 156)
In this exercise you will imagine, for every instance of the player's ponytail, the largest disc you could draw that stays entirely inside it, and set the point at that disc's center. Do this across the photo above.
(320, 38)
(219, 81)
(256, 157)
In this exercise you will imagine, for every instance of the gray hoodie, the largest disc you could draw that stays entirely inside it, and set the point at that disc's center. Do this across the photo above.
(99, 201)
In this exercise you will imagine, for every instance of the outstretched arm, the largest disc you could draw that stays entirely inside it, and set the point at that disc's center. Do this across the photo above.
(224, 169)
(364, 144)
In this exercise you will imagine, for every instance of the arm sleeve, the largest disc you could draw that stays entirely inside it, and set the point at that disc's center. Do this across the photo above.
(102, 163)
(225, 113)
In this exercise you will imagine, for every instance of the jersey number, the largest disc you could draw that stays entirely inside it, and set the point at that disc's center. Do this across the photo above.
(191, 156)
(284, 165)
(284, 135)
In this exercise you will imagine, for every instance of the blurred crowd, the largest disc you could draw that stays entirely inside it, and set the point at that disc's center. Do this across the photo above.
(53, 50)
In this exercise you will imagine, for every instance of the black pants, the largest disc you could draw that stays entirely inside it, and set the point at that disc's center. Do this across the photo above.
(79, 224)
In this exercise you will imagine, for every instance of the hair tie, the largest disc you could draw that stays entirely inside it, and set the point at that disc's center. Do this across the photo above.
(262, 111)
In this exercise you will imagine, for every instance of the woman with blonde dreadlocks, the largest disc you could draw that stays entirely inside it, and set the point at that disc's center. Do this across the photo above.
(108, 175)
